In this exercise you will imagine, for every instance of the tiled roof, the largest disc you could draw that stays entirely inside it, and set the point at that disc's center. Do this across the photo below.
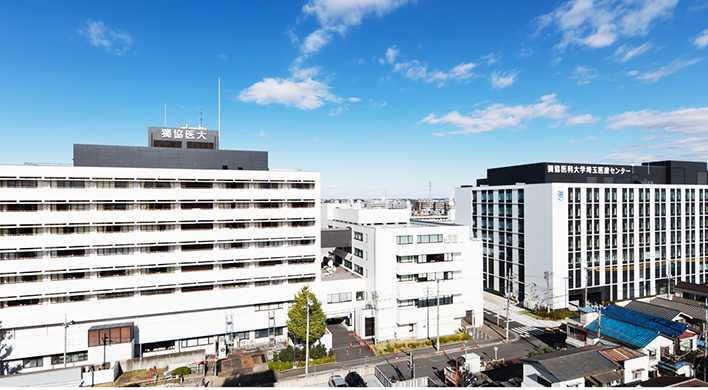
(686, 286)
(694, 310)
(619, 354)
(625, 333)
(573, 363)
(653, 310)
(666, 327)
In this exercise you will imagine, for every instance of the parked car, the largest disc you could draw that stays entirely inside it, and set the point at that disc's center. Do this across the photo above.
(337, 381)
(353, 379)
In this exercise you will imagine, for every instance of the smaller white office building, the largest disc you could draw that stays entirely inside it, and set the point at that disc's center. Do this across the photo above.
(402, 267)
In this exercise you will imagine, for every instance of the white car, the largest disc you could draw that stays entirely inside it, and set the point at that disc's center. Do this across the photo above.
(337, 381)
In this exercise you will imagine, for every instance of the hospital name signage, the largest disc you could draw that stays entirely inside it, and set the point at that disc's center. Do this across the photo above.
(586, 169)
(183, 134)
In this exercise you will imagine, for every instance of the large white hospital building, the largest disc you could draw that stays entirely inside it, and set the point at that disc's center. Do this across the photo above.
(555, 233)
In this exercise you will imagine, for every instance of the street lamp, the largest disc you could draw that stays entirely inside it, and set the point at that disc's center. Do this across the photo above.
(66, 326)
(307, 337)
(495, 352)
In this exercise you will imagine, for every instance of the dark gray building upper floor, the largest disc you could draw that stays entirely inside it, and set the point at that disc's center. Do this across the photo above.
(656, 172)
(184, 148)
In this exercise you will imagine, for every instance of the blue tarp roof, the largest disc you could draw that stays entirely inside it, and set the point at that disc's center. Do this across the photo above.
(624, 332)
(669, 328)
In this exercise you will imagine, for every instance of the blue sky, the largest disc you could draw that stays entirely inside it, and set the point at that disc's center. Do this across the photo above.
(380, 96)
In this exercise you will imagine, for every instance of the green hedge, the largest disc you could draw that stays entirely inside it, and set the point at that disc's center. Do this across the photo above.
(181, 371)
(279, 366)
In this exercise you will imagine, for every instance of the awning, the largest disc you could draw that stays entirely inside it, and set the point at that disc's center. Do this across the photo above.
(604, 378)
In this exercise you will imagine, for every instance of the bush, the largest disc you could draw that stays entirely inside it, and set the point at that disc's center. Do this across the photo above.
(444, 339)
(319, 351)
(299, 354)
(286, 355)
(555, 315)
(181, 371)
(389, 348)
(540, 351)
(324, 360)
(412, 345)
(428, 342)
(279, 366)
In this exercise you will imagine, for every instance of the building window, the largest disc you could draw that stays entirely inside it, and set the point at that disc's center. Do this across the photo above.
(197, 342)
(360, 295)
(157, 184)
(339, 297)
(32, 362)
(406, 259)
(430, 238)
(400, 240)
(359, 236)
(358, 252)
(358, 269)
(70, 357)
(406, 302)
(269, 306)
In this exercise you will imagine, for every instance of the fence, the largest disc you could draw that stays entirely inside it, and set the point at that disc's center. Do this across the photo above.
(322, 378)
(417, 382)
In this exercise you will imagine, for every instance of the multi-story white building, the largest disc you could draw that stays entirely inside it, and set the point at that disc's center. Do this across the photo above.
(401, 267)
(554, 233)
(135, 251)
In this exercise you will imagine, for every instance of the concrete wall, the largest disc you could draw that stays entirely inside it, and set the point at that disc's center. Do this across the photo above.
(98, 377)
(184, 358)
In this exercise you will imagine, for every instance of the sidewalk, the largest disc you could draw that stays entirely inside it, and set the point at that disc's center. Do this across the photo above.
(497, 304)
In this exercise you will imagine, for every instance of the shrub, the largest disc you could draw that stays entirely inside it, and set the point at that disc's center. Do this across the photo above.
(444, 339)
(286, 355)
(279, 366)
(299, 354)
(181, 371)
(428, 342)
(413, 345)
(323, 360)
(389, 348)
(319, 351)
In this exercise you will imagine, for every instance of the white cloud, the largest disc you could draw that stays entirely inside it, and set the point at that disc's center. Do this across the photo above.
(336, 111)
(305, 95)
(222, 56)
(588, 138)
(597, 24)
(680, 134)
(580, 120)
(262, 134)
(391, 54)
(556, 60)
(625, 53)
(701, 40)
(502, 80)
(525, 53)
(338, 16)
(675, 65)
(583, 75)
(304, 73)
(114, 41)
(499, 116)
(490, 58)
(632, 73)
(354, 100)
(416, 70)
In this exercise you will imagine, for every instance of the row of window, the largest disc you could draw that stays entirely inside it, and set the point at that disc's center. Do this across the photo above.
(610, 194)
(501, 195)
(429, 258)
(155, 184)
(426, 302)
(426, 277)
(162, 248)
(421, 239)
(122, 205)
(159, 227)
(27, 277)
(160, 290)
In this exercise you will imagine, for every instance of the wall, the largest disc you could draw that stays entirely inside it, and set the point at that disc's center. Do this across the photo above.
(183, 358)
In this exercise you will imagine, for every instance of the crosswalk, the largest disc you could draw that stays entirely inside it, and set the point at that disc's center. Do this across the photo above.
(527, 331)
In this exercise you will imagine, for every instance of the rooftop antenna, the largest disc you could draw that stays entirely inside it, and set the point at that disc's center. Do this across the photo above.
(219, 113)
(201, 110)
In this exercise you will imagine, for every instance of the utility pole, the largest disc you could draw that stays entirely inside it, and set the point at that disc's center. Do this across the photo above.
(307, 338)
(437, 299)
(599, 322)
(508, 298)
(587, 282)
(66, 326)
(705, 337)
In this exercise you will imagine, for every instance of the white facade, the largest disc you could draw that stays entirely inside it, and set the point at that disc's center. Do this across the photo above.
(184, 255)
(404, 266)
(556, 242)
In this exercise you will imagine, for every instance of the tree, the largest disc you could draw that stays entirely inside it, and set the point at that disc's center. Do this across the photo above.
(297, 325)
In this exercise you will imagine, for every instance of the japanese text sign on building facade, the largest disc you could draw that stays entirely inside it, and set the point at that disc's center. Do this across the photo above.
(586, 169)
